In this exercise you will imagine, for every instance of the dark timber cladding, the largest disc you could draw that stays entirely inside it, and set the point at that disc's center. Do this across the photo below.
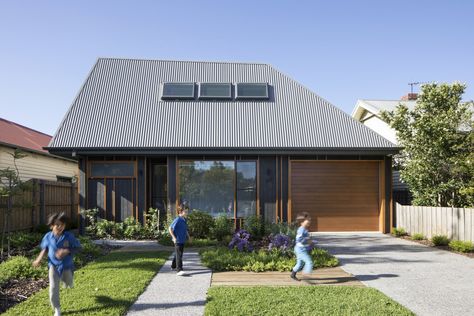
(339, 195)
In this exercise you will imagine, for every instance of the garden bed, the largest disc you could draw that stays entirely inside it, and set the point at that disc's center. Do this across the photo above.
(19, 281)
(107, 286)
(428, 243)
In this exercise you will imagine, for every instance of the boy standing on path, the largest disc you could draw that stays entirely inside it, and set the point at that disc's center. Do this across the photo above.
(179, 233)
(303, 241)
(60, 246)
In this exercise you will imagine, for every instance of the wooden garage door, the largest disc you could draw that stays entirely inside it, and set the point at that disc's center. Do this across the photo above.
(339, 195)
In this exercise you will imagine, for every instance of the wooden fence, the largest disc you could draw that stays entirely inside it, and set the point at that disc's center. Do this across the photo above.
(456, 223)
(43, 199)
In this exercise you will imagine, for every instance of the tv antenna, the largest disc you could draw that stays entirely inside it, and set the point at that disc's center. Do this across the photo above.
(412, 84)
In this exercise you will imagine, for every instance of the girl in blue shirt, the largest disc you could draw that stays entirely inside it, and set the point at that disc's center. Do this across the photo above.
(60, 246)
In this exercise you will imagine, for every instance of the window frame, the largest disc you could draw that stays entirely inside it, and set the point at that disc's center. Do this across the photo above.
(227, 97)
(178, 97)
(254, 97)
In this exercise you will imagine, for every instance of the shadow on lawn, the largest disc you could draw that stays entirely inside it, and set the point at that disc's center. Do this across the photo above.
(106, 302)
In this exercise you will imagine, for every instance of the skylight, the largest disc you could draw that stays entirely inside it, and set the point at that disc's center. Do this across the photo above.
(215, 90)
(181, 90)
(251, 91)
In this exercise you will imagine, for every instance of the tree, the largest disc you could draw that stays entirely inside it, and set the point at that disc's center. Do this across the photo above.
(437, 160)
(11, 186)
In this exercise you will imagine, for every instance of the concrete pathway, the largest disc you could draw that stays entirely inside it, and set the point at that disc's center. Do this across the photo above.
(169, 294)
(426, 280)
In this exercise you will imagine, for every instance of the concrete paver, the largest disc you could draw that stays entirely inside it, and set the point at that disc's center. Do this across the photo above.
(426, 280)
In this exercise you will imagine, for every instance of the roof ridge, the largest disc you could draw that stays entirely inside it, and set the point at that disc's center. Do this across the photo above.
(23, 126)
(184, 61)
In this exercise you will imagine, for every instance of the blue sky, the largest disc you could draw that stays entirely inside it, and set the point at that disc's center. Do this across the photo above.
(342, 50)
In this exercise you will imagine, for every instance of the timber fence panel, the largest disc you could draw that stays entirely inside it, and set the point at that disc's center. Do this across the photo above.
(456, 223)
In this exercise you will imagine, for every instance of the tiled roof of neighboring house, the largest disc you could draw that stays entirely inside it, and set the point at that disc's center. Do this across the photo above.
(17, 135)
(119, 106)
(376, 106)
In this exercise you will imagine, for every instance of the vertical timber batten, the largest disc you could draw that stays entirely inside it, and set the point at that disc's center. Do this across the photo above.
(82, 189)
(388, 195)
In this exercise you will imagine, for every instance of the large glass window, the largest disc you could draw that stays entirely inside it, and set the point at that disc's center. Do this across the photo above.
(207, 186)
(112, 169)
(246, 187)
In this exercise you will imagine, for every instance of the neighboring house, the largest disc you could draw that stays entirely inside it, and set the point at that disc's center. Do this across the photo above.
(38, 163)
(226, 138)
(368, 112)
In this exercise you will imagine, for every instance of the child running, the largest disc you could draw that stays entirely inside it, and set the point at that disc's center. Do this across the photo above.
(303, 241)
(179, 233)
(60, 246)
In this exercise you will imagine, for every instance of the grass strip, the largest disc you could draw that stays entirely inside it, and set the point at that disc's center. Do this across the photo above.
(108, 286)
(305, 300)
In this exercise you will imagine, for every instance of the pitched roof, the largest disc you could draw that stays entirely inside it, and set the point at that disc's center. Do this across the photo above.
(119, 106)
(377, 106)
(17, 135)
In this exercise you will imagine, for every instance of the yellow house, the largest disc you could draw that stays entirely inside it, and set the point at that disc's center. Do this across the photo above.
(38, 164)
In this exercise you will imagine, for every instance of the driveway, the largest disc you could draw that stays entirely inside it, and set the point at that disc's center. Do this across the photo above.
(427, 281)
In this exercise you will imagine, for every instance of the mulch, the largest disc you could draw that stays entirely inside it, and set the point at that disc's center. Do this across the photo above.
(446, 248)
(16, 291)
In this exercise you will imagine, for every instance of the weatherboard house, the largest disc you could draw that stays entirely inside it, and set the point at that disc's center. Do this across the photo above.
(239, 139)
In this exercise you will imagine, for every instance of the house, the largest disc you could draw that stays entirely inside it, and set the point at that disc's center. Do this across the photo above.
(368, 112)
(38, 163)
(228, 138)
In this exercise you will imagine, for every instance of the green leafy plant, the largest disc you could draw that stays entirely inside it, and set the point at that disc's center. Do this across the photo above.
(224, 259)
(200, 224)
(152, 220)
(255, 226)
(418, 236)
(223, 227)
(461, 246)
(440, 240)
(19, 267)
(133, 229)
(399, 231)
(437, 160)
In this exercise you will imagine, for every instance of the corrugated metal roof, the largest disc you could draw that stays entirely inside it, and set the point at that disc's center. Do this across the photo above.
(18, 135)
(119, 106)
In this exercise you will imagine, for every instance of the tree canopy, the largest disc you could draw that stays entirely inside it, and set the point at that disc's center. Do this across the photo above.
(437, 159)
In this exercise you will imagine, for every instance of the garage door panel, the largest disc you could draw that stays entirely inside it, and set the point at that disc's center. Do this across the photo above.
(339, 195)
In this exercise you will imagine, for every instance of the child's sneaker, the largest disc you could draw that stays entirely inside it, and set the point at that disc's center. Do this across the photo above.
(293, 276)
(181, 273)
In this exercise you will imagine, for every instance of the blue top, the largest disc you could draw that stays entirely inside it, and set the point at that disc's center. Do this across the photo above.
(53, 243)
(302, 237)
(180, 229)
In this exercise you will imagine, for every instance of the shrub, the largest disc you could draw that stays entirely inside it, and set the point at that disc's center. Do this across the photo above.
(440, 240)
(399, 232)
(23, 241)
(241, 241)
(223, 259)
(288, 229)
(281, 242)
(104, 228)
(88, 252)
(418, 236)
(461, 246)
(132, 228)
(19, 267)
(151, 223)
(200, 224)
(222, 227)
(255, 226)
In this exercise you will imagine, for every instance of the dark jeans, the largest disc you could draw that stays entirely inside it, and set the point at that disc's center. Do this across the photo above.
(178, 257)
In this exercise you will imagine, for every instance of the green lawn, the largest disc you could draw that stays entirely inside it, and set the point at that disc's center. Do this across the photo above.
(304, 300)
(107, 286)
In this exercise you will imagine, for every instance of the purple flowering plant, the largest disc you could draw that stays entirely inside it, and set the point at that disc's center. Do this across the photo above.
(241, 241)
(280, 242)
